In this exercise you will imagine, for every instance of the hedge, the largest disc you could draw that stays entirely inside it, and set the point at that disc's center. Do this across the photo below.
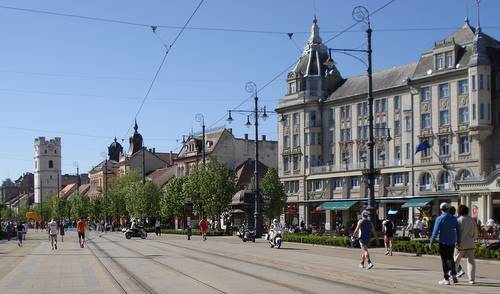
(184, 232)
(401, 244)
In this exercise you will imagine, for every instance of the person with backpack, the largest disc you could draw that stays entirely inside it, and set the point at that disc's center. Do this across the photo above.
(388, 230)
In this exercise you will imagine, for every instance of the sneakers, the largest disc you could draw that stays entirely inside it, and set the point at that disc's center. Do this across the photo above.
(454, 279)
(387, 253)
(55, 246)
(472, 282)
(460, 273)
(444, 282)
(370, 265)
(362, 265)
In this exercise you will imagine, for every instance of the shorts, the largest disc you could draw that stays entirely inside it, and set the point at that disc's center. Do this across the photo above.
(53, 235)
(365, 242)
(81, 235)
(19, 236)
(389, 235)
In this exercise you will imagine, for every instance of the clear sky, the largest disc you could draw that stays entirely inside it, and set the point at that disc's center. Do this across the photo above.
(84, 80)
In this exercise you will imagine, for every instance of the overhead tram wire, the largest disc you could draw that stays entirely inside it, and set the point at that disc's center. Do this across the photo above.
(295, 62)
(167, 50)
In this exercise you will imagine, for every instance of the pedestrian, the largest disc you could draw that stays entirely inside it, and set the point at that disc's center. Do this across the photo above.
(53, 233)
(388, 230)
(203, 228)
(10, 229)
(157, 227)
(62, 230)
(80, 228)
(189, 231)
(468, 234)
(419, 228)
(446, 227)
(365, 231)
(19, 229)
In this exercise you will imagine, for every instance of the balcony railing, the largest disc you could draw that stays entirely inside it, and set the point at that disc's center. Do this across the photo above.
(313, 123)
(353, 166)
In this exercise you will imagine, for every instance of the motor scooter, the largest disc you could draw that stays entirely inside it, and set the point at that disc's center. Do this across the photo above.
(136, 232)
(246, 234)
(275, 239)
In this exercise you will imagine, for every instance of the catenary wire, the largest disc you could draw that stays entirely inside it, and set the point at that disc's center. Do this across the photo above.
(163, 61)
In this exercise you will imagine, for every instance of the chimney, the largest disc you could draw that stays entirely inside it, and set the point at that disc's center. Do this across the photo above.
(263, 138)
(246, 137)
(154, 150)
(230, 130)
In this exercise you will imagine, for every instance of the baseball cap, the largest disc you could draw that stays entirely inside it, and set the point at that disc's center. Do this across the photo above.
(444, 205)
(365, 213)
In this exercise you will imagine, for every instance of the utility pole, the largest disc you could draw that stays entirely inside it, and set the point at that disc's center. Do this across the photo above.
(257, 212)
(201, 119)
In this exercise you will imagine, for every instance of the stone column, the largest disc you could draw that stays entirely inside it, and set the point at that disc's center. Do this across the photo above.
(484, 208)
(489, 206)
(328, 220)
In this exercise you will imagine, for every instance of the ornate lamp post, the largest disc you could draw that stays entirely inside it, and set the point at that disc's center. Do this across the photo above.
(251, 87)
(201, 119)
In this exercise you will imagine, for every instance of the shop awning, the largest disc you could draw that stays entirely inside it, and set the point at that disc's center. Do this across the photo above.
(417, 202)
(337, 205)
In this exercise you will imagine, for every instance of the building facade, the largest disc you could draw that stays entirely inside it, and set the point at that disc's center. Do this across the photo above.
(47, 167)
(448, 98)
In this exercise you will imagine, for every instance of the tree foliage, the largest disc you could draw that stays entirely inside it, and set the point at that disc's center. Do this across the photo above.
(172, 198)
(273, 195)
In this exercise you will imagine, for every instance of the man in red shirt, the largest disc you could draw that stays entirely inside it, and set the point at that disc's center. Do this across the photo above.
(80, 228)
(203, 228)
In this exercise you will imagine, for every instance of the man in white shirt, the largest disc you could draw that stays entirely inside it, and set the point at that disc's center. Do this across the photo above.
(420, 227)
(53, 234)
(468, 234)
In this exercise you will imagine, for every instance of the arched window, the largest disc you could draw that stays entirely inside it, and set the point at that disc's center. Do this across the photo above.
(51, 164)
(425, 182)
(444, 181)
(464, 175)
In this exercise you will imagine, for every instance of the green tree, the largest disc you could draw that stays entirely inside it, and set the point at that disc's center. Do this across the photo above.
(172, 198)
(194, 188)
(79, 206)
(58, 207)
(273, 195)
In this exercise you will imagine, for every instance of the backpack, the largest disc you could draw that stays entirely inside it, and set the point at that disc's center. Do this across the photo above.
(389, 227)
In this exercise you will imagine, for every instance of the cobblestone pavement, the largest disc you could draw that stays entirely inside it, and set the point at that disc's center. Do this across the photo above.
(172, 264)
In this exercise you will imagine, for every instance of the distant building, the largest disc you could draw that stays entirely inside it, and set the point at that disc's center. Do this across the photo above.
(47, 167)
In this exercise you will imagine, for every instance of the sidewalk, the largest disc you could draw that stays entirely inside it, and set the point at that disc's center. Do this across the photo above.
(36, 268)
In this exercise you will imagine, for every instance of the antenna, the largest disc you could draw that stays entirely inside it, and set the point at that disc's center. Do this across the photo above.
(478, 2)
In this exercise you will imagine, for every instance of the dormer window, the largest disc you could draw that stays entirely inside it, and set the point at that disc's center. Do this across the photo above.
(439, 61)
(292, 88)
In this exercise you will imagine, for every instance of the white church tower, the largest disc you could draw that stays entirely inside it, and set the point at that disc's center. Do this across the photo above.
(47, 167)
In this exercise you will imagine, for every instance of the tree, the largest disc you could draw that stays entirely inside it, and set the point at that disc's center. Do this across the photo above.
(273, 195)
(79, 206)
(143, 200)
(194, 189)
(8, 183)
(58, 207)
(172, 198)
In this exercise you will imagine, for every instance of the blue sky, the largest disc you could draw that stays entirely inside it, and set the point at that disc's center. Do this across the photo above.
(84, 80)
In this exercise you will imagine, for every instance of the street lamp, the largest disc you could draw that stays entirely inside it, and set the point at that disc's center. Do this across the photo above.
(251, 87)
(201, 119)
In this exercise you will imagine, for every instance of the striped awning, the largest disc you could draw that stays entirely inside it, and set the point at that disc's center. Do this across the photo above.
(337, 205)
(417, 202)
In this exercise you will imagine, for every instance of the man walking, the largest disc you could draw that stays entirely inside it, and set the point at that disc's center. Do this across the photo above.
(365, 230)
(468, 233)
(80, 228)
(446, 227)
(203, 228)
(61, 230)
(53, 233)
(157, 227)
(20, 230)
(388, 230)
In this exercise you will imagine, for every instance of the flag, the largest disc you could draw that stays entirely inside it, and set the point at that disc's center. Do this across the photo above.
(423, 146)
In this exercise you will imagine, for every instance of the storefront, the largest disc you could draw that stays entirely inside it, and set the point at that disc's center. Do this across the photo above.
(292, 215)
(339, 215)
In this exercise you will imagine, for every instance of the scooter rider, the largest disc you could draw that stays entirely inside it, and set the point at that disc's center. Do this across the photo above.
(275, 226)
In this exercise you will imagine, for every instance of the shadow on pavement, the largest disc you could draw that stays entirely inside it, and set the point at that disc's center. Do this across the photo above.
(406, 269)
(289, 248)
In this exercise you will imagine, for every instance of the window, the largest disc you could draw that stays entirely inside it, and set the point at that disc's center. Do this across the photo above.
(362, 156)
(481, 82)
(292, 88)
(345, 112)
(381, 153)
(397, 102)
(425, 94)
(285, 120)
(318, 185)
(444, 146)
(306, 139)
(444, 181)
(337, 183)
(45, 151)
(464, 144)
(397, 179)
(296, 141)
(408, 151)
(449, 60)
(463, 115)
(363, 132)
(489, 111)
(425, 182)
(306, 161)
(464, 174)
(463, 87)
(407, 123)
(426, 152)
(354, 182)
(380, 129)
(363, 109)
(312, 121)
(331, 137)
(481, 111)
(332, 158)
(286, 142)
(285, 164)
(439, 61)
(397, 154)
(444, 118)
(295, 119)
(397, 128)
(295, 162)
(473, 111)
(345, 135)
(381, 105)
(51, 164)
(426, 121)
(444, 90)
(473, 78)
(345, 156)
(331, 119)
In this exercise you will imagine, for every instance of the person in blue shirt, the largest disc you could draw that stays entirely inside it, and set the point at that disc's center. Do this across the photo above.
(364, 232)
(446, 227)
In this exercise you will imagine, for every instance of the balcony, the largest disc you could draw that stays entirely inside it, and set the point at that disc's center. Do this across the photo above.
(353, 166)
(313, 123)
